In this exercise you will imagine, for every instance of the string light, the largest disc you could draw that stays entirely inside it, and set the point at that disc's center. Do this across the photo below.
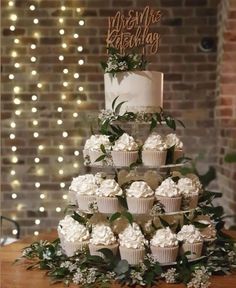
(12, 136)
(14, 54)
(76, 75)
(34, 97)
(59, 109)
(33, 46)
(62, 185)
(34, 109)
(61, 31)
(37, 185)
(13, 195)
(79, 101)
(59, 122)
(16, 41)
(41, 209)
(61, 57)
(36, 134)
(76, 153)
(41, 147)
(13, 172)
(35, 122)
(34, 72)
(81, 62)
(17, 65)
(32, 7)
(16, 89)
(81, 22)
(14, 232)
(81, 88)
(63, 8)
(11, 76)
(65, 71)
(14, 159)
(36, 160)
(64, 134)
(18, 112)
(75, 165)
(37, 221)
(12, 28)
(42, 196)
(60, 159)
(36, 233)
(13, 148)
(11, 3)
(17, 100)
(36, 21)
(61, 172)
(64, 196)
(76, 35)
(75, 114)
(58, 209)
(79, 48)
(39, 85)
(61, 147)
(13, 125)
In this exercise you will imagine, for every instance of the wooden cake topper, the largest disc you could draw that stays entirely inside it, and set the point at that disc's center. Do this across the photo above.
(134, 30)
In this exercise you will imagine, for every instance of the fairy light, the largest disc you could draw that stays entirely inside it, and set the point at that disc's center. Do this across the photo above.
(36, 134)
(61, 31)
(60, 159)
(13, 125)
(14, 231)
(13, 172)
(58, 209)
(12, 136)
(75, 165)
(61, 57)
(36, 160)
(61, 147)
(39, 85)
(63, 8)
(16, 41)
(76, 35)
(64, 197)
(11, 3)
(13, 148)
(41, 209)
(64, 134)
(33, 59)
(36, 233)
(17, 101)
(61, 20)
(16, 89)
(79, 101)
(11, 76)
(81, 62)
(81, 22)
(32, 7)
(80, 48)
(76, 75)
(64, 45)
(14, 54)
(33, 46)
(59, 109)
(18, 112)
(62, 185)
(41, 147)
(36, 21)
(35, 122)
(37, 221)
(42, 196)
(76, 153)
(75, 115)
(34, 109)
(37, 185)
(61, 172)
(65, 71)
(13, 17)
(65, 84)
(13, 195)
(12, 28)
(34, 97)
(34, 72)
(59, 122)
(17, 65)
(81, 88)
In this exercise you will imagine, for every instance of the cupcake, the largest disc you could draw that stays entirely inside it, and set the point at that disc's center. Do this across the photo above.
(102, 237)
(132, 243)
(189, 190)
(172, 140)
(92, 148)
(125, 151)
(84, 188)
(140, 198)
(164, 246)
(106, 196)
(191, 240)
(154, 151)
(73, 235)
(169, 195)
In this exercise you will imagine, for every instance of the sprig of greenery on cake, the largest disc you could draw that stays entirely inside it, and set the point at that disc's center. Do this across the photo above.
(117, 62)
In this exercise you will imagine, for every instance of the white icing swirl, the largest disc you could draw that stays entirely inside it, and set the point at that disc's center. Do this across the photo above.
(196, 181)
(109, 188)
(125, 143)
(72, 230)
(139, 189)
(95, 141)
(102, 235)
(132, 237)
(189, 234)
(168, 188)
(100, 177)
(154, 142)
(172, 139)
(187, 187)
(84, 184)
(164, 238)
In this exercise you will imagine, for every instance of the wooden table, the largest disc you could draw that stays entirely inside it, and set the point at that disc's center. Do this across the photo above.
(16, 276)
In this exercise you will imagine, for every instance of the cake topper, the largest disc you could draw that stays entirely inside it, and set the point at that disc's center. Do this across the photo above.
(134, 30)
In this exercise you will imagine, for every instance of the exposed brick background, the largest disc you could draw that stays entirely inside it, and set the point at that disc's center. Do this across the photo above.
(190, 91)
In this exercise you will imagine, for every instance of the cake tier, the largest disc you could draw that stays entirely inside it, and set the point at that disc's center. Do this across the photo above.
(143, 90)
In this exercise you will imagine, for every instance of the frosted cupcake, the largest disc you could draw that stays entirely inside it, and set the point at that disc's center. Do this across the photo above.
(73, 235)
(84, 187)
(172, 140)
(132, 244)
(189, 190)
(164, 246)
(191, 240)
(125, 151)
(154, 151)
(106, 196)
(92, 148)
(102, 237)
(140, 198)
(169, 195)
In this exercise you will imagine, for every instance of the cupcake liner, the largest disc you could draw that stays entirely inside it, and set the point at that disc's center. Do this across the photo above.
(133, 256)
(178, 154)
(171, 204)
(140, 205)
(93, 249)
(94, 156)
(124, 158)
(154, 158)
(69, 247)
(108, 205)
(194, 248)
(83, 201)
(190, 201)
(164, 254)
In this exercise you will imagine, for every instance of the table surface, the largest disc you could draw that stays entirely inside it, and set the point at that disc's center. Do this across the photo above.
(16, 275)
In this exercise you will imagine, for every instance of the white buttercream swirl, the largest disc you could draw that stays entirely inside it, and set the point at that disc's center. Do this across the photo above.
(164, 238)
(72, 230)
(132, 237)
(168, 188)
(187, 187)
(154, 142)
(102, 235)
(172, 139)
(125, 143)
(84, 184)
(189, 234)
(95, 141)
(139, 189)
(109, 188)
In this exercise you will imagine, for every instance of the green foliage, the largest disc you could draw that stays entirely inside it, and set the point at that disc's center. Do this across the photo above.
(230, 158)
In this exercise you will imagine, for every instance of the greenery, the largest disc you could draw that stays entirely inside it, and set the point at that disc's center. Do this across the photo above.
(117, 62)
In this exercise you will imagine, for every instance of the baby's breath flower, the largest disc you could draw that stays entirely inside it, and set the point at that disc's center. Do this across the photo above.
(200, 278)
(170, 275)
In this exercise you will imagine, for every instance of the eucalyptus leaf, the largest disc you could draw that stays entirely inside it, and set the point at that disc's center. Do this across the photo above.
(114, 216)
(114, 103)
(122, 267)
(100, 158)
(102, 147)
(128, 216)
(117, 109)
(107, 253)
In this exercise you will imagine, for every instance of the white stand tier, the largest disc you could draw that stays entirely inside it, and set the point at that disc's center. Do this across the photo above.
(143, 90)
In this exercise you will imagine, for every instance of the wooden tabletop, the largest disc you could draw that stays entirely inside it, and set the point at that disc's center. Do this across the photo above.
(16, 276)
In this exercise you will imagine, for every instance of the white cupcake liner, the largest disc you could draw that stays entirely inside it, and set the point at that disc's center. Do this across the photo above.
(164, 254)
(93, 249)
(108, 205)
(171, 204)
(178, 154)
(69, 247)
(133, 256)
(190, 201)
(140, 205)
(194, 248)
(124, 158)
(93, 155)
(83, 201)
(154, 158)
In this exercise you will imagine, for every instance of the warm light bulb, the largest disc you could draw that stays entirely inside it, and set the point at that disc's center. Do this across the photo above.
(11, 3)
(34, 72)
(64, 45)
(37, 185)
(63, 8)
(81, 62)
(41, 147)
(76, 35)
(39, 85)
(16, 89)
(65, 84)
(81, 22)
(13, 195)
(78, 10)
(75, 165)
(41, 209)
(16, 41)
(79, 48)
(34, 97)
(65, 71)
(61, 20)
(62, 185)
(14, 159)
(59, 109)
(42, 196)
(64, 134)
(81, 88)
(36, 34)
(76, 75)
(36, 134)
(33, 59)
(35, 122)
(76, 153)
(58, 209)
(61, 172)
(13, 172)
(13, 148)
(13, 125)
(13, 17)
(36, 21)
(61, 31)
(17, 101)
(59, 122)
(36, 233)
(32, 7)
(65, 197)
(18, 112)
(12, 136)
(12, 28)
(36, 160)
(61, 57)
(60, 159)
(14, 232)
(34, 109)
(75, 114)
(33, 46)
(13, 54)
(17, 65)
(61, 147)
(63, 96)
(11, 76)
(79, 101)
(37, 221)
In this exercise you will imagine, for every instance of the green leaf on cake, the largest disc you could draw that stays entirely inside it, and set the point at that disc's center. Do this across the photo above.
(100, 158)
(102, 147)
(107, 253)
(114, 216)
(117, 109)
(122, 267)
(153, 124)
(128, 216)
(79, 218)
(114, 103)
(164, 223)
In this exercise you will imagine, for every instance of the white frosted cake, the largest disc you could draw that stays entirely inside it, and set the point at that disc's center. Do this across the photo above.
(143, 90)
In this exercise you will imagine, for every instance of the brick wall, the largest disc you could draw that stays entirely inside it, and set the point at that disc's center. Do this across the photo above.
(226, 103)
(190, 85)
